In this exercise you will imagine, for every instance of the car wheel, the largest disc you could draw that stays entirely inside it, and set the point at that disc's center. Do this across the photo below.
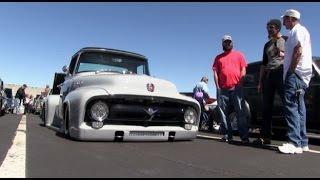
(1, 110)
(233, 121)
(233, 116)
(43, 116)
(66, 121)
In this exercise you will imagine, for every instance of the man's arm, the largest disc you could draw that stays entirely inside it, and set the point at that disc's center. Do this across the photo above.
(242, 74)
(261, 77)
(297, 52)
(216, 79)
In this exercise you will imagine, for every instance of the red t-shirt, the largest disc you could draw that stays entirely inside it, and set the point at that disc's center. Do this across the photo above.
(228, 67)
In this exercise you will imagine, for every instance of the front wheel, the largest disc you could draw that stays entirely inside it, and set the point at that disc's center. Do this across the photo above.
(2, 111)
(66, 122)
(43, 116)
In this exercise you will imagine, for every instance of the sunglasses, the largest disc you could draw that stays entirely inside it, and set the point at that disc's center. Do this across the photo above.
(271, 27)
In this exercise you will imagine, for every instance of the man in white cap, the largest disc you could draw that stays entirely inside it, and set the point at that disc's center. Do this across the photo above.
(229, 69)
(296, 74)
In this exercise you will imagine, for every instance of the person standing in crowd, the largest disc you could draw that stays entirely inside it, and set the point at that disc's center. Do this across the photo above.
(271, 71)
(28, 104)
(201, 94)
(229, 69)
(20, 96)
(297, 73)
(46, 91)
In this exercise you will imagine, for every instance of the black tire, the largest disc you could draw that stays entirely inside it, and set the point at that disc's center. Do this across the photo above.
(234, 121)
(43, 117)
(1, 110)
(67, 123)
(233, 117)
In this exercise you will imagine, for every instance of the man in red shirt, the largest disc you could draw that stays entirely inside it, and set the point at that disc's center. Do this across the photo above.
(229, 69)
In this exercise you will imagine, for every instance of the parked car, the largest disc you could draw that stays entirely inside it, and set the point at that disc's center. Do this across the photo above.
(254, 99)
(8, 100)
(109, 95)
(253, 102)
(213, 116)
(1, 98)
(37, 104)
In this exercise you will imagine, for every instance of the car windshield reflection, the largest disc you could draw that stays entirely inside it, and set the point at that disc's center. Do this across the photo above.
(102, 62)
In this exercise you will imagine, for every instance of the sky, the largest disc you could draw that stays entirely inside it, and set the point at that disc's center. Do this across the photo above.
(179, 39)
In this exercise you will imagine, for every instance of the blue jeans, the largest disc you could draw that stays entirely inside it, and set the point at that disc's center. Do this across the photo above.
(229, 100)
(295, 109)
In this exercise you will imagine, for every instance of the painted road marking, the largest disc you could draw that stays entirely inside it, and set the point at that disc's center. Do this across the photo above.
(269, 145)
(13, 165)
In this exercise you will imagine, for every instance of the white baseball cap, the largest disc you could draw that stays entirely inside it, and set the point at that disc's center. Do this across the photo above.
(292, 13)
(226, 37)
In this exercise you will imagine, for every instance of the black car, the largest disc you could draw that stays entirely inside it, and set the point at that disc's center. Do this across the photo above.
(8, 100)
(1, 98)
(254, 99)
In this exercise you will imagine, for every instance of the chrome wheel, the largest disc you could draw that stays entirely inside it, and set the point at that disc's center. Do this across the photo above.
(233, 121)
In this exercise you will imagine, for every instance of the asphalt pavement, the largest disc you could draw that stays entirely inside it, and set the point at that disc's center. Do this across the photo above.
(8, 127)
(50, 154)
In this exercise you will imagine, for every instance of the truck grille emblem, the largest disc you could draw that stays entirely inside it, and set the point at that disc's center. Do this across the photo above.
(151, 111)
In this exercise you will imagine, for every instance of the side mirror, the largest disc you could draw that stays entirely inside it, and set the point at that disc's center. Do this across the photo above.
(65, 69)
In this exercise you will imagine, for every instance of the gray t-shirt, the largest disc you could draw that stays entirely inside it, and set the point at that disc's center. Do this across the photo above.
(271, 53)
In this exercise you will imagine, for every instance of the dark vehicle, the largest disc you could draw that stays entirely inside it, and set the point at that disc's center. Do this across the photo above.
(8, 100)
(254, 99)
(1, 98)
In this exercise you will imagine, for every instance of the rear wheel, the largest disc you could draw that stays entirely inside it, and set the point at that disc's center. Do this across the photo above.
(233, 121)
(43, 116)
(1, 110)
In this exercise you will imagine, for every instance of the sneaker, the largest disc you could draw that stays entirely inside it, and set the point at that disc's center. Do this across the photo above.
(305, 148)
(245, 141)
(289, 148)
(261, 141)
(225, 139)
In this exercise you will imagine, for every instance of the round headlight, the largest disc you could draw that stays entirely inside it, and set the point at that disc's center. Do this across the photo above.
(99, 111)
(190, 116)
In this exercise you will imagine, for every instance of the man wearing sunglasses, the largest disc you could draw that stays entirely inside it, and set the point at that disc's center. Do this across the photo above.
(271, 72)
(229, 69)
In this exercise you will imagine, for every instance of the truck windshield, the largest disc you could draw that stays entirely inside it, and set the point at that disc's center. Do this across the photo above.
(317, 62)
(106, 62)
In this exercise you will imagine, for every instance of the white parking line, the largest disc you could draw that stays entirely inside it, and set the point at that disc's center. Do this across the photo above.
(13, 165)
(217, 138)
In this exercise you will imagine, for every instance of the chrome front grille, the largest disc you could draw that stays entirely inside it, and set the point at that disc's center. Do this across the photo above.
(143, 112)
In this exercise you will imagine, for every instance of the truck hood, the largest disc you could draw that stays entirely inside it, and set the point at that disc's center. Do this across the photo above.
(129, 84)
